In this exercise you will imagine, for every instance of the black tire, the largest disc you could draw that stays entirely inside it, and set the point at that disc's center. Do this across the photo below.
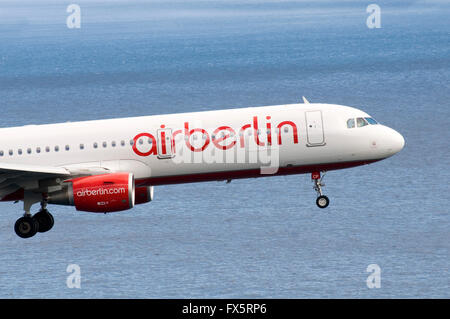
(322, 201)
(45, 221)
(26, 227)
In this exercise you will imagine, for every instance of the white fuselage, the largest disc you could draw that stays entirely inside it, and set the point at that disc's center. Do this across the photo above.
(212, 145)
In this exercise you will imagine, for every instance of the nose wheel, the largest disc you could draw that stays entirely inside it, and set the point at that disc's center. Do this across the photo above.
(322, 201)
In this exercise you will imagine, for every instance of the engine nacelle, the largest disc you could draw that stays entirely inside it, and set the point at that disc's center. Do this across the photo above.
(99, 193)
(143, 195)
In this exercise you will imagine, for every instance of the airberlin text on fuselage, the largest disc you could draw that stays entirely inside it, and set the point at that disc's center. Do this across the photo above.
(223, 137)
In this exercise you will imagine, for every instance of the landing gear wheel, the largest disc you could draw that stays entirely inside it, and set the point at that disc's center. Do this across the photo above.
(322, 201)
(45, 220)
(26, 227)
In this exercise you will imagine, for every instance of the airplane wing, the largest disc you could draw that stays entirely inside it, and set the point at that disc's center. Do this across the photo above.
(14, 177)
(21, 169)
(39, 178)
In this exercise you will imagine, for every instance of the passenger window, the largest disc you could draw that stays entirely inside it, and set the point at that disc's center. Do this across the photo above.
(351, 123)
(104, 144)
(81, 146)
(113, 144)
(47, 149)
(1, 153)
(360, 122)
(56, 148)
(95, 145)
(38, 150)
(29, 151)
(67, 147)
(19, 151)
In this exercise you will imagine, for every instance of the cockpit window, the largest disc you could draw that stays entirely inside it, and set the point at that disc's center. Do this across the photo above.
(371, 121)
(360, 122)
(351, 123)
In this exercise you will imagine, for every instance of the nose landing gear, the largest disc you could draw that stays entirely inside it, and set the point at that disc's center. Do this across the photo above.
(322, 200)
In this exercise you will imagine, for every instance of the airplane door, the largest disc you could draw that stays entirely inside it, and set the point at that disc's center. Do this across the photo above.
(314, 128)
(165, 145)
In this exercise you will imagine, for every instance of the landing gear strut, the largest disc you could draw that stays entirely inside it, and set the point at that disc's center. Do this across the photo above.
(322, 200)
(28, 225)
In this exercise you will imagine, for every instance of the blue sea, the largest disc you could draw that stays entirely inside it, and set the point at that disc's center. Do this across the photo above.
(254, 238)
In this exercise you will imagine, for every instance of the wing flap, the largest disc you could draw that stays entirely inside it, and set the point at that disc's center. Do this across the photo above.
(26, 169)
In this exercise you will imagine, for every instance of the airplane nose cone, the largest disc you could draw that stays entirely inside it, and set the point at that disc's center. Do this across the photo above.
(397, 142)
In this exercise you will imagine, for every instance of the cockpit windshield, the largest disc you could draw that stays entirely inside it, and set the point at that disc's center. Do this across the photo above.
(351, 123)
(371, 121)
(360, 122)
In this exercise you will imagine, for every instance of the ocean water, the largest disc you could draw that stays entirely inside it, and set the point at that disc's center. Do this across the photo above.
(254, 238)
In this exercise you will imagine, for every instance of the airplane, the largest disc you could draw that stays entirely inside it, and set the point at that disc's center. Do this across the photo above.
(111, 165)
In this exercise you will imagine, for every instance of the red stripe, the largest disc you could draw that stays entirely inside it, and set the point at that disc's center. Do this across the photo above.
(217, 176)
(17, 195)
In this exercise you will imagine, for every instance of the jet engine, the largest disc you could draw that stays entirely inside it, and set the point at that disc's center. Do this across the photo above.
(99, 193)
(143, 195)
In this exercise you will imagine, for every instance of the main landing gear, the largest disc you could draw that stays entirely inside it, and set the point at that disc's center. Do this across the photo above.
(322, 200)
(28, 225)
